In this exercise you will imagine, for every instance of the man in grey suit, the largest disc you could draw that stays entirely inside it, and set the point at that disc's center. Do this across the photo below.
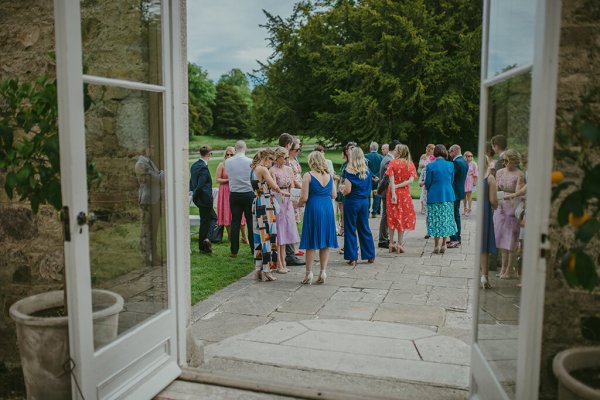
(384, 240)
(150, 179)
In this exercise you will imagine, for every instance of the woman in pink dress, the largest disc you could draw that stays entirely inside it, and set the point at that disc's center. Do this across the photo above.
(223, 210)
(287, 230)
(470, 182)
(506, 225)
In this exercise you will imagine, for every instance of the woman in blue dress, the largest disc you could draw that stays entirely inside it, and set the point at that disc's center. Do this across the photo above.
(440, 198)
(356, 191)
(318, 228)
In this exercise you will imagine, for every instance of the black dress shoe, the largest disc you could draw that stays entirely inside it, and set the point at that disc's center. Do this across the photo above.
(383, 245)
(294, 261)
(205, 246)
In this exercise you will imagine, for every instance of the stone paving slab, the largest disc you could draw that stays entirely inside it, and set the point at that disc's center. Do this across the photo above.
(355, 354)
(347, 309)
(361, 322)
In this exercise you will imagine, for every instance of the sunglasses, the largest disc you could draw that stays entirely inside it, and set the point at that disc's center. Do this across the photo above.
(228, 155)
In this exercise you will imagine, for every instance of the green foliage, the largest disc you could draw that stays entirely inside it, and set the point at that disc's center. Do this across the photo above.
(581, 207)
(373, 70)
(201, 93)
(239, 81)
(29, 145)
(231, 114)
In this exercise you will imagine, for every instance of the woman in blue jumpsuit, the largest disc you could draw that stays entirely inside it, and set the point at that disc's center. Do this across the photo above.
(356, 189)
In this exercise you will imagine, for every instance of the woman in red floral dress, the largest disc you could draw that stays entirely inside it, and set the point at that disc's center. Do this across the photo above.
(400, 210)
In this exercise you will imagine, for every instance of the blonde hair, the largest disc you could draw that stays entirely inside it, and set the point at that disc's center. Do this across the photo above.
(513, 157)
(356, 161)
(468, 153)
(317, 163)
(261, 155)
(280, 152)
(402, 152)
(430, 147)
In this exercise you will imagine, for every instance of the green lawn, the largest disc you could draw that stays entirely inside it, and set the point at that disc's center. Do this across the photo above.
(219, 143)
(212, 272)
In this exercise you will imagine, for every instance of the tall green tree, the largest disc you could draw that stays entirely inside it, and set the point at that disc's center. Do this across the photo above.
(202, 93)
(373, 70)
(239, 80)
(231, 113)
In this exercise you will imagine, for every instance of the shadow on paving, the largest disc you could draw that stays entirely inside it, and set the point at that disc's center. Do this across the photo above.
(398, 328)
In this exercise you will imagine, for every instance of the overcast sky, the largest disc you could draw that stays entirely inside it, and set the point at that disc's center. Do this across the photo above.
(224, 34)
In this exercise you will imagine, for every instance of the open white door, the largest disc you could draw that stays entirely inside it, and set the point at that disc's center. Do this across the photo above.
(518, 98)
(120, 231)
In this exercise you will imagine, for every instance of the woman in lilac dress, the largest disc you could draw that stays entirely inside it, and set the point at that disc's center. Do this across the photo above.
(506, 225)
(287, 230)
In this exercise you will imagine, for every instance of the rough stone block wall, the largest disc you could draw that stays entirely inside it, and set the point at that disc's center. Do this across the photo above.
(119, 40)
(30, 246)
(566, 308)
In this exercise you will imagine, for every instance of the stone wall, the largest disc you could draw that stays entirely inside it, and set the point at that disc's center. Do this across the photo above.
(120, 41)
(566, 310)
(31, 246)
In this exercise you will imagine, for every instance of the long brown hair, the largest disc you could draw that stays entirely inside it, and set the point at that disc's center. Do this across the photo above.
(261, 155)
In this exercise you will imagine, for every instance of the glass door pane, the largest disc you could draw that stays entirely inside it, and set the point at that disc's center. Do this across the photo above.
(503, 226)
(122, 39)
(510, 35)
(124, 131)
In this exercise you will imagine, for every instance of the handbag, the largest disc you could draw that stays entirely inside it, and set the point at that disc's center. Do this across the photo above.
(383, 185)
(216, 234)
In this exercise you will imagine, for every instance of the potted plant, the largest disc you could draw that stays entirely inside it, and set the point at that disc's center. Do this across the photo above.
(30, 161)
(578, 201)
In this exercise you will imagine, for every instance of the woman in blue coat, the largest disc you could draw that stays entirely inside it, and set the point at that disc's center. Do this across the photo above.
(356, 190)
(440, 198)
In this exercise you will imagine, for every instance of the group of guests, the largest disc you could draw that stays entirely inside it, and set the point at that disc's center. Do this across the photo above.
(503, 201)
(269, 195)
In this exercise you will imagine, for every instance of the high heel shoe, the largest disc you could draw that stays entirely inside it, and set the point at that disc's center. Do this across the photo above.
(371, 260)
(443, 249)
(267, 277)
(436, 250)
(322, 277)
(354, 263)
(308, 277)
(259, 275)
(484, 282)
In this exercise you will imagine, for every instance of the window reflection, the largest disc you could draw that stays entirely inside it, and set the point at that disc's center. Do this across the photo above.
(503, 199)
(511, 31)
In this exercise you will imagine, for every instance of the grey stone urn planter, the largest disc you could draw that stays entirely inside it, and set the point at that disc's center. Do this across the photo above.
(573, 359)
(44, 341)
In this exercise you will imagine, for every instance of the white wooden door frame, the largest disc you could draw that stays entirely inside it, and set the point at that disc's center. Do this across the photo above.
(143, 360)
(544, 69)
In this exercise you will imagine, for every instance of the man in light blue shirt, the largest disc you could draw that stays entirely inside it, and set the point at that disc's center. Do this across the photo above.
(241, 197)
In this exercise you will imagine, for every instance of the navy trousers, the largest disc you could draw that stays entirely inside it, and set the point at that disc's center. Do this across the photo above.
(356, 223)
(456, 238)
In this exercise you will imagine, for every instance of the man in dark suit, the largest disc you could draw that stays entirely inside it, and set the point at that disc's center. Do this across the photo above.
(201, 186)
(461, 167)
(374, 164)
(499, 144)
(384, 239)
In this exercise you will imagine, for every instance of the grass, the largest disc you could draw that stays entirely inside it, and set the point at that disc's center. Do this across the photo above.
(220, 143)
(212, 272)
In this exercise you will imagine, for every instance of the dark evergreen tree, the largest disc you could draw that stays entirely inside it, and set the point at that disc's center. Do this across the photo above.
(231, 114)
(373, 70)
